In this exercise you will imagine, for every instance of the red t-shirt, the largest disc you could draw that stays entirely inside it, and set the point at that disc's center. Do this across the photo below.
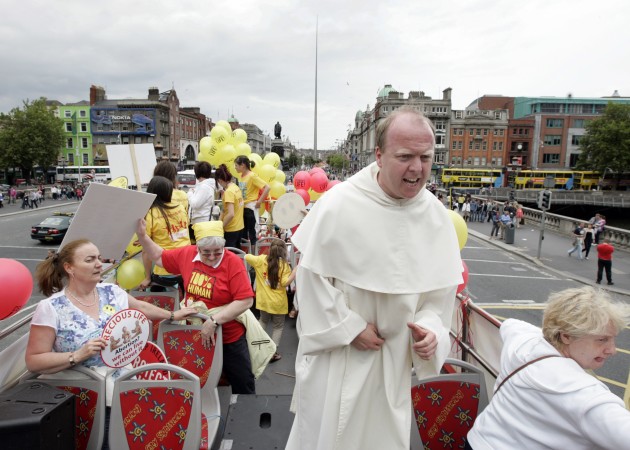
(214, 287)
(605, 251)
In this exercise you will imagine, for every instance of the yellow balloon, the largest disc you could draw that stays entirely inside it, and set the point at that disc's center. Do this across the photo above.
(219, 135)
(213, 154)
(134, 246)
(204, 144)
(204, 157)
(272, 159)
(256, 158)
(314, 195)
(266, 172)
(280, 176)
(277, 189)
(243, 149)
(460, 228)
(239, 136)
(130, 274)
(225, 125)
(226, 155)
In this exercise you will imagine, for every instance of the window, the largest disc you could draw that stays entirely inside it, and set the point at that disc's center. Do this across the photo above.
(494, 145)
(551, 158)
(69, 143)
(460, 145)
(67, 114)
(71, 159)
(84, 127)
(483, 161)
(499, 161)
(137, 140)
(470, 145)
(84, 142)
(501, 132)
(82, 113)
(68, 127)
(484, 145)
(86, 161)
(101, 140)
(485, 132)
(497, 114)
(575, 139)
(500, 145)
(477, 146)
(553, 139)
(579, 123)
(454, 145)
(459, 114)
(440, 125)
(453, 161)
(470, 131)
(555, 123)
(495, 132)
(439, 139)
(476, 161)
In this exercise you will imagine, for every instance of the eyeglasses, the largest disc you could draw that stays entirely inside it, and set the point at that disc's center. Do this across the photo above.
(209, 253)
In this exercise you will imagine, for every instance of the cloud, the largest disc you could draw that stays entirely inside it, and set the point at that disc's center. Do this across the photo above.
(256, 59)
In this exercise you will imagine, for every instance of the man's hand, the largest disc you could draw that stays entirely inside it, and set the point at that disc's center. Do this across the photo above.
(368, 339)
(425, 341)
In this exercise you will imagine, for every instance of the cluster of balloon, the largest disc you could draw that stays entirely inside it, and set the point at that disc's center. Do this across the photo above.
(16, 284)
(223, 146)
(130, 274)
(461, 229)
(312, 184)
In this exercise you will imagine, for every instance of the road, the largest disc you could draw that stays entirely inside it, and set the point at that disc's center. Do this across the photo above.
(509, 285)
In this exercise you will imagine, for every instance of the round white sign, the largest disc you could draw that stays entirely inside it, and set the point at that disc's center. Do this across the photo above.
(126, 335)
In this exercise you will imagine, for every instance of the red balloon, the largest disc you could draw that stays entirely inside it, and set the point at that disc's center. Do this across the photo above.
(304, 194)
(332, 183)
(16, 284)
(462, 286)
(302, 180)
(319, 182)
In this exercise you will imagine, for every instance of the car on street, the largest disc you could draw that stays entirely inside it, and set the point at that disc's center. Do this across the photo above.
(52, 229)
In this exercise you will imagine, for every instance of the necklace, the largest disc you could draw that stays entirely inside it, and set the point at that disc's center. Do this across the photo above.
(87, 305)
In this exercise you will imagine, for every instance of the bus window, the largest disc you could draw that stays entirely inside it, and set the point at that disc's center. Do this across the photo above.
(186, 178)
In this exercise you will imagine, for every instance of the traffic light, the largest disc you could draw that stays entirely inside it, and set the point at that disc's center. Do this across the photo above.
(544, 199)
(512, 196)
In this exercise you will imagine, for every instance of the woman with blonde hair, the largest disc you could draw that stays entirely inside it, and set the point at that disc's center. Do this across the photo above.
(545, 396)
(273, 276)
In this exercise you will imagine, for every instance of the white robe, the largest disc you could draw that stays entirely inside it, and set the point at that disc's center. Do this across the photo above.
(368, 258)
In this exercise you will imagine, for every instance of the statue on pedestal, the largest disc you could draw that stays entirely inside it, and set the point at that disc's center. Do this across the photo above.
(277, 130)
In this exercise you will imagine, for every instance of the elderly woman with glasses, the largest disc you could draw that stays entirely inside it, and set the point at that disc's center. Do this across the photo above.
(218, 279)
(545, 396)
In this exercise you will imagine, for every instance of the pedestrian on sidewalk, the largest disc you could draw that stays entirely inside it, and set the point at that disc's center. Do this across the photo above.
(505, 220)
(12, 195)
(604, 261)
(1, 200)
(599, 226)
(589, 237)
(493, 215)
(578, 240)
(519, 216)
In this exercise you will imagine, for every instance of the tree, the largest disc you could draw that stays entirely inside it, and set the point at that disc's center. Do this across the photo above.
(293, 160)
(30, 136)
(606, 144)
(336, 161)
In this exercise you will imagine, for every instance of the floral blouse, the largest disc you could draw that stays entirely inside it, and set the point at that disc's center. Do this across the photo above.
(73, 327)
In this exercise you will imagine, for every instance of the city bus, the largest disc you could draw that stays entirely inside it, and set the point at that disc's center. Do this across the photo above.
(472, 178)
(100, 174)
(186, 178)
(562, 179)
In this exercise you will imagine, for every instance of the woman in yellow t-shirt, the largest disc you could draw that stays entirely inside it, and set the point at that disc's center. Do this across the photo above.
(168, 170)
(232, 212)
(253, 185)
(167, 224)
(273, 275)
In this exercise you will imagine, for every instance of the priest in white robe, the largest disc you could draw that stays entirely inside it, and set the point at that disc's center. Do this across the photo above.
(377, 282)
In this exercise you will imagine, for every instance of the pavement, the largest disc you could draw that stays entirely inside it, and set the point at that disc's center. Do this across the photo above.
(553, 253)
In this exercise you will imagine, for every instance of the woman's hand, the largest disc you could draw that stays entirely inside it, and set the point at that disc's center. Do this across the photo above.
(141, 228)
(144, 284)
(90, 348)
(207, 333)
(182, 313)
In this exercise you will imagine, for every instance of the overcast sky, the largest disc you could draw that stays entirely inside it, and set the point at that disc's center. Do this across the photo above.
(256, 59)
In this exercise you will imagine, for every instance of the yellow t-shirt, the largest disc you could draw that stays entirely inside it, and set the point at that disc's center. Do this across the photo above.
(233, 195)
(273, 301)
(156, 230)
(253, 184)
(181, 198)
